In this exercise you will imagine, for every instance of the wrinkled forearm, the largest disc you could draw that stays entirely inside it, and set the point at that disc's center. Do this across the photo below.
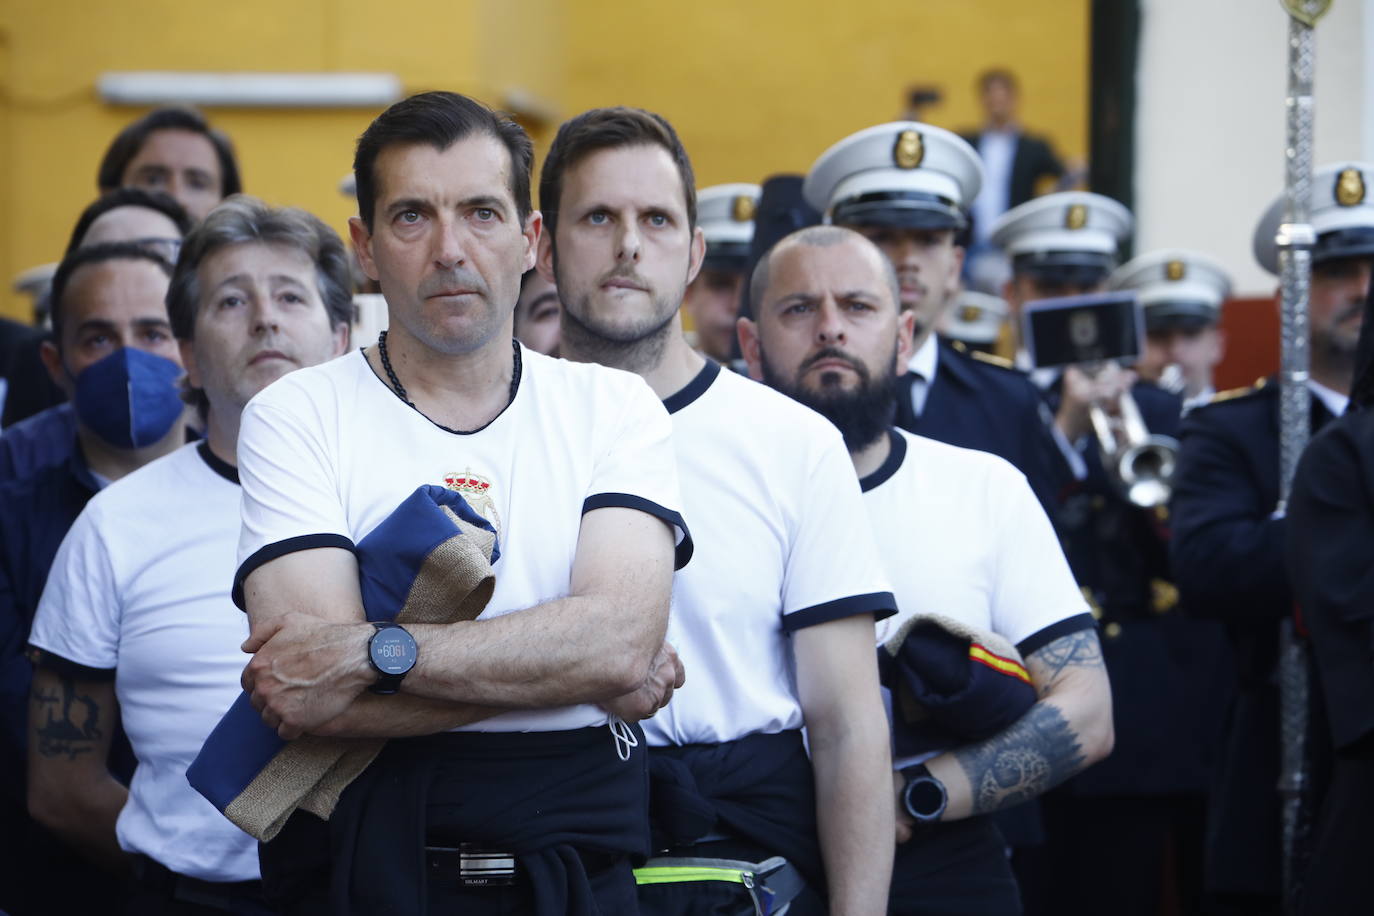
(563, 652)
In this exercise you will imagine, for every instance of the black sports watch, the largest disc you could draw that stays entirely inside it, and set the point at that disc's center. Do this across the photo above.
(392, 652)
(924, 797)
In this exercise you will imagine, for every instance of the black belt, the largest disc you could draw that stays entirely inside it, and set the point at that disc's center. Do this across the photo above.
(162, 881)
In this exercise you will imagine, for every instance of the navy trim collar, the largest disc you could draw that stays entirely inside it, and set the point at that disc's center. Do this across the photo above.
(895, 456)
(217, 464)
(693, 389)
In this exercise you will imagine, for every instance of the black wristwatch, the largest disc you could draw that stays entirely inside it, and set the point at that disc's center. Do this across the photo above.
(392, 652)
(924, 797)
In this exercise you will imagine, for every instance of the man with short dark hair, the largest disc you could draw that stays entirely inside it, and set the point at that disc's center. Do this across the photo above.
(150, 220)
(174, 150)
(114, 355)
(774, 618)
(962, 537)
(136, 619)
(503, 747)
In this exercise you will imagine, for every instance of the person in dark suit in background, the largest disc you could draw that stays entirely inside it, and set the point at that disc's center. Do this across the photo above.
(1014, 162)
(1228, 530)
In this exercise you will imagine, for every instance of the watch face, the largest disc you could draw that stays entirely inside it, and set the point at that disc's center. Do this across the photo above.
(393, 650)
(925, 798)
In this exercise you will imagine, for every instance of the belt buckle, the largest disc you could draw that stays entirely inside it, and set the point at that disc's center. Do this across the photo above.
(471, 864)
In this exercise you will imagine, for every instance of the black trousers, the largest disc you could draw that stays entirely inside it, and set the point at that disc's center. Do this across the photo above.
(564, 805)
(954, 869)
(158, 891)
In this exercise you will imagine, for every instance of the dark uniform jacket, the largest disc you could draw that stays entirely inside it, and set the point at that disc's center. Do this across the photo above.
(980, 402)
(1164, 669)
(1228, 561)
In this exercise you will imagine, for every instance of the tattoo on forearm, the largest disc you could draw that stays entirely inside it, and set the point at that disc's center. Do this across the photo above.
(1077, 650)
(67, 723)
(1024, 761)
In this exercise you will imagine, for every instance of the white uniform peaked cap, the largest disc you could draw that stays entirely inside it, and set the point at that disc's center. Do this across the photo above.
(867, 161)
(720, 208)
(1342, 198)
(1051, 224)
(1173, 275)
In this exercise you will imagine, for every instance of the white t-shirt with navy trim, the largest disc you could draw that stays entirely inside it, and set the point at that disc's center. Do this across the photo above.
(326, 453)
(783, 542)
(962, 535)
(139, 590)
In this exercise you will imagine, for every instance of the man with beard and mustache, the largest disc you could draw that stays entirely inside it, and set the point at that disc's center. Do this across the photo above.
(826, 330)
(774, 617)
(1228, 539)
(906, 186)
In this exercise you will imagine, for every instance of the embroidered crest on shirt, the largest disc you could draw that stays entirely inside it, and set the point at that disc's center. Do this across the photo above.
(476, 489)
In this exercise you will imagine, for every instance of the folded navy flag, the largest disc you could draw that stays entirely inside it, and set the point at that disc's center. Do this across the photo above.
(429, 561)
(951, 684)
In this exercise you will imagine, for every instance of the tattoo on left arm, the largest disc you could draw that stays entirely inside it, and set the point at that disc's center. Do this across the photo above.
(65, 724)
(1047, 745)
(1023, 762)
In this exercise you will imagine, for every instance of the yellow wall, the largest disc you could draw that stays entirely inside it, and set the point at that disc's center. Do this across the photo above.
(754, 87)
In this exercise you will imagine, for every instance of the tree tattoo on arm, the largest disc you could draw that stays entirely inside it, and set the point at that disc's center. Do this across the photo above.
(1041, 749)
(66, 722)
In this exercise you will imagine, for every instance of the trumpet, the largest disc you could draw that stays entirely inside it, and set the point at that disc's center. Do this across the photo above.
(1140, 463)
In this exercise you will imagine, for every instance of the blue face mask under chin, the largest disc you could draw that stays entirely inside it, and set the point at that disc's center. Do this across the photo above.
(130, 398)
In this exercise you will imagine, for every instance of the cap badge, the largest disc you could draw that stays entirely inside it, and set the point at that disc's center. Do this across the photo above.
(970, 313)
(1077, 217)
(1350, 188)
(1174, 271)
(909, 150)
(742, 208)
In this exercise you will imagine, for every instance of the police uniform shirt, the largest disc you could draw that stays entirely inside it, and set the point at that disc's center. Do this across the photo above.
(962, 535)
(328, 452)
(783, 543)
(923, 364)
(139, 593)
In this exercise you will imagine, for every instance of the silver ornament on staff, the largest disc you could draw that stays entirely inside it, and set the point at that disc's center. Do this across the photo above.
(1295, 241)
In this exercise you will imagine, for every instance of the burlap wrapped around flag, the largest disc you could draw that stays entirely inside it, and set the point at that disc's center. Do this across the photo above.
(429, 561)
(952, 684)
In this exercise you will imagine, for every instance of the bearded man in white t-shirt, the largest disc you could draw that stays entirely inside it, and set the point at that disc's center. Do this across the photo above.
(136, 608)
(962, 536)
(774, 618)
(516, 783)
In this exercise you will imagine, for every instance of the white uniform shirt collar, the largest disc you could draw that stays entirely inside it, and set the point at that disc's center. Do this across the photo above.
(926, 359)
(1333, 401)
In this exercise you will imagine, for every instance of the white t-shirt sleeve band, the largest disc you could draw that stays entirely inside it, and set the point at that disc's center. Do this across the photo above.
(42, 658)
(1042, 638)
(880, 604)
(281, 549)
(630, 501)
